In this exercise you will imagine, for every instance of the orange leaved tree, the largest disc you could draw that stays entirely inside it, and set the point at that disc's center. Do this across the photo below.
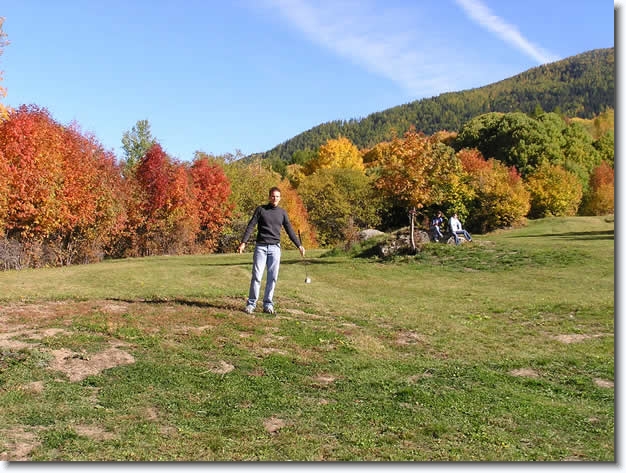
(417, 171)
(600, 200)
(60, 187)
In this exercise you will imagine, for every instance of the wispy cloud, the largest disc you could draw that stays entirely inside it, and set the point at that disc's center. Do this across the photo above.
(480, 13)
(374, 40)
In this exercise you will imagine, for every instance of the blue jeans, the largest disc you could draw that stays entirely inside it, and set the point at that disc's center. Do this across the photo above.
(437, 233)
(264, 255)
(464, 233)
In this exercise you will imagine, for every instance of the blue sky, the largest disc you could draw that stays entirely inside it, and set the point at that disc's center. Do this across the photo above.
(247, 75)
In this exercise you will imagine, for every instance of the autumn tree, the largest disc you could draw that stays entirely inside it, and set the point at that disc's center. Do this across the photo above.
(61, 188)
(339, 202)
(32, 143)
(600, 200)
(501, 198)
(212, 192)
(554, 192)
(336, 153)
(294, 173)
(294, 205)
(417, 172)
(170, 217)
(4, 190)
(91, 197)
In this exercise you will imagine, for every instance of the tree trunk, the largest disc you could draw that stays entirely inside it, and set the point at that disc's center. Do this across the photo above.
(412, 218)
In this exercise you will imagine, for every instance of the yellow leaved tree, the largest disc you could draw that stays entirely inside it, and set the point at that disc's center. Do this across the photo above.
(336, 153)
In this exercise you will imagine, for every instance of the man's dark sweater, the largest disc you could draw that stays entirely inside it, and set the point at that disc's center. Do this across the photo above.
(270, 219)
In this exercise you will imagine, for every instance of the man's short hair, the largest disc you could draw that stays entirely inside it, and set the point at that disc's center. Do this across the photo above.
(274, 189)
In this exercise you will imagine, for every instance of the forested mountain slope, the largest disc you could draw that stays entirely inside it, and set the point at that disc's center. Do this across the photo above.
(578, 86)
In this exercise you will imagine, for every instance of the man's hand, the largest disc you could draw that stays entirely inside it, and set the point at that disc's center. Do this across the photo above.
(302, 250)
(241, 248)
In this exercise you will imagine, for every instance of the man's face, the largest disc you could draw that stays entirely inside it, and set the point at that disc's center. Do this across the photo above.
(274, 198)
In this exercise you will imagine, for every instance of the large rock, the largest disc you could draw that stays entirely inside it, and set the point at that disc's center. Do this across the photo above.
(399, 243)
(369, 233)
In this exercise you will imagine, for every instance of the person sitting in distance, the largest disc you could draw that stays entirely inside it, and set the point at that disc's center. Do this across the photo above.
(457, 229)
(435, 225)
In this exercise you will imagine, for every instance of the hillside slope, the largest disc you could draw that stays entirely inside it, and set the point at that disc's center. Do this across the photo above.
(579, 86)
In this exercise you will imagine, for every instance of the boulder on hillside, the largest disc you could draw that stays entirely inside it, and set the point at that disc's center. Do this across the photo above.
(399, 243)
(369, 233)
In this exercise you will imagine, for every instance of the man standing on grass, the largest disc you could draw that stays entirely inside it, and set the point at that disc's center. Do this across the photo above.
(269, 219)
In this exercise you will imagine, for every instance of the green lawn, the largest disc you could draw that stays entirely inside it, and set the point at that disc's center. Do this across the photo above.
(500, 350)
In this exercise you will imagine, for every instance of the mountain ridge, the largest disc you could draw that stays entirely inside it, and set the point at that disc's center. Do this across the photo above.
(581, 86)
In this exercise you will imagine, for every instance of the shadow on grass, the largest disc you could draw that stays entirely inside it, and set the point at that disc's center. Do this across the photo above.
(230, 304)
(309, 261)
(597, 235)
(283, 261)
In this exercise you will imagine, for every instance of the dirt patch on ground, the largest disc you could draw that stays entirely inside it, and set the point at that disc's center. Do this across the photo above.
(273, 425)
(78, 366)
(21, 443)
(221, 367)
(94, 432)
(603, 383)
(576, 337)
(409, 338)
(524, 372)
(17, 322)
(324, 379)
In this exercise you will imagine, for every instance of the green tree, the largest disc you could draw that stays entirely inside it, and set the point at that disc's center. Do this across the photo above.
(135, 144)
(605, 145)
(580, 155)
(512, 138)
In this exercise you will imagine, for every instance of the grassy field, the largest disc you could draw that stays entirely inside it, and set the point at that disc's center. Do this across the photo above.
(499, 350)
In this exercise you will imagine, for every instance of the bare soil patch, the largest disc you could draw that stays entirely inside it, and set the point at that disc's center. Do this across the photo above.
(324, 379)
(576, 337)
(273, 425)
(409, 338)
(19, 444)
(94, 432)
(78, 366)
(524, 372)
(221, 367)
(604, 383)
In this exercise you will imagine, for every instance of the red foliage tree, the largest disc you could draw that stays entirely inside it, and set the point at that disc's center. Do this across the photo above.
(168, 218)
(212, 192)
(60, 187)
(152, 176)
(472, 160)
(600, 200)
(31, 142)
